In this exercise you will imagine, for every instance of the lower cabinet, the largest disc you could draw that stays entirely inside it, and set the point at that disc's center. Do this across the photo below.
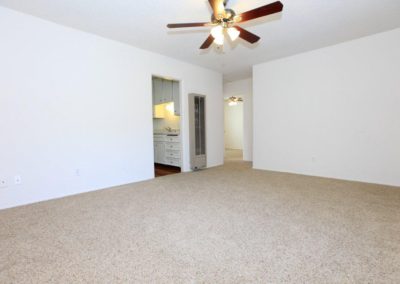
(167, 150)
(159, 152)
(173, 162)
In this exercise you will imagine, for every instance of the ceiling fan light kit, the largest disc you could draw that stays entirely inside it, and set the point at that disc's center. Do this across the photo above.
(234, 101)
(233, 33)
(217, 33)
(225, 20)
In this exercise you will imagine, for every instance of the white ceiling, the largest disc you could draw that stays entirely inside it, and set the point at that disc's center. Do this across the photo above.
(304, 25)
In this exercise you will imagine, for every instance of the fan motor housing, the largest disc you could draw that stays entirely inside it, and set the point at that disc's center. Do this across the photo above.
(229, 17)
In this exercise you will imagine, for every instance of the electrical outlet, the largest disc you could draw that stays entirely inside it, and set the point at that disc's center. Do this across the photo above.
(17, 179)
(3, 183)
(78, 172)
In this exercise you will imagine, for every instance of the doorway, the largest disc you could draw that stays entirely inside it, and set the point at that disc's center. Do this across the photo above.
(233, 133)
(167, 143)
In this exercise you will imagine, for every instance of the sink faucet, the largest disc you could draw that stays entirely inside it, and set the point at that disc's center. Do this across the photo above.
(169, 129)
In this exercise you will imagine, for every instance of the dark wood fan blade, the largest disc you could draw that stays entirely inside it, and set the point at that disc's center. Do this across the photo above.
(218, 8)
(247, 36)
(263, 11)
(187, 25)
(207, 43)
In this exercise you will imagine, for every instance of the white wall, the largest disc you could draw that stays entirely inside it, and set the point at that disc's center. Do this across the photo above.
(234, 126)
(71, 100)
(333, 112)
(244, 89)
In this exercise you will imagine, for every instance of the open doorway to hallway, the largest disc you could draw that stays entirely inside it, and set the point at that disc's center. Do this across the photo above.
(233, 134)
(239, 120)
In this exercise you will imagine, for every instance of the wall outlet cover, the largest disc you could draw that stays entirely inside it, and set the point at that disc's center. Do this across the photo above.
(3, 183)
(17, 179)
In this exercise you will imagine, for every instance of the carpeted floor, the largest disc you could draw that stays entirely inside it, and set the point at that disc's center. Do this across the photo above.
(228, 224)
(233, 155)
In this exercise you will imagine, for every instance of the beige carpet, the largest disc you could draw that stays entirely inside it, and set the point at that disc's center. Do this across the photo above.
(228, 224)
(233, 155)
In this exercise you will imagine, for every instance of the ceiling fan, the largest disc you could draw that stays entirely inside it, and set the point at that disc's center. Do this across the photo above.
(233, 101)
(224, 19)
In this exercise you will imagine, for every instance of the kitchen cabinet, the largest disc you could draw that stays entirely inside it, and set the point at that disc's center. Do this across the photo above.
(176, 98)
(159, 149)
(158, 97)
(159, 152)
(167, 150)
(167, 91)
(173, 151)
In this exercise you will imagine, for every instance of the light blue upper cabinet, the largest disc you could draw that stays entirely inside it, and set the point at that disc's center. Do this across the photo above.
(176, 98)
(157, 91)
(167, 91)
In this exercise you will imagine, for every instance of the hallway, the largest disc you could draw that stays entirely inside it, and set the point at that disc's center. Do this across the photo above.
(233, 155)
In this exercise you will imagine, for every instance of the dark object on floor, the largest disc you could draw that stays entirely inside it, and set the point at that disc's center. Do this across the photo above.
(164, 170)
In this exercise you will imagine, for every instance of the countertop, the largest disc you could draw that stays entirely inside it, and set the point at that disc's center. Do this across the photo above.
(166, 132)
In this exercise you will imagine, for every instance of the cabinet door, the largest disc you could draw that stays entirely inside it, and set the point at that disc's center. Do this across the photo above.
(155, 152)
(167, 91)
(176, 97)
(157, 91)
(159, 152)
(153, 92)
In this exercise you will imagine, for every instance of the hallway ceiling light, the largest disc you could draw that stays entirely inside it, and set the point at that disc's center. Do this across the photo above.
(233, 101)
